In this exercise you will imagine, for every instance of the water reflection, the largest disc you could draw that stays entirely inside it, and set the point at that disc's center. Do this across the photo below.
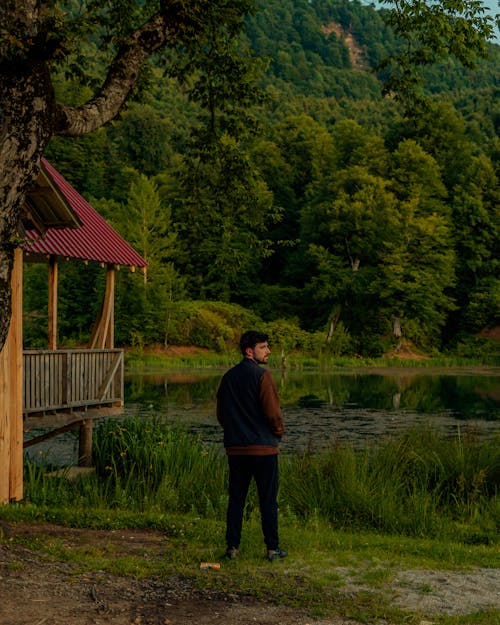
(324, 407)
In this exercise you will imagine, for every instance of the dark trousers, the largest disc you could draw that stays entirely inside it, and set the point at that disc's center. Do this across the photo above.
(264, 470)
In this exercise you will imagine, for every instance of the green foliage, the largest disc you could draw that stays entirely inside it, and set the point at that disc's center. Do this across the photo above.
(417, 484)
(35, 296)
(213, 325)
(263, 168)
(287, 335)
(149, 465)
(430, 33)
(338, 343)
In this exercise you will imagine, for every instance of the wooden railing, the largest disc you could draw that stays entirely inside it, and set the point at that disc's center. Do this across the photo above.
(71, 379)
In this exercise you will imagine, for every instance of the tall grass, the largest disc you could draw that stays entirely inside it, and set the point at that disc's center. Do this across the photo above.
(147, 464)
(420, 483)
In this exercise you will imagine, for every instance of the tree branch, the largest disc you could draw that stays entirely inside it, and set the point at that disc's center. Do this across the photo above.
(121, 78)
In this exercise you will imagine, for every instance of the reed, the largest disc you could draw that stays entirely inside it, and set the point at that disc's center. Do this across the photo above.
(419, 484)
(148, 464)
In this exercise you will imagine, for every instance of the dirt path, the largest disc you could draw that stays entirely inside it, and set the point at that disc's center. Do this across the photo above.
(37, 590)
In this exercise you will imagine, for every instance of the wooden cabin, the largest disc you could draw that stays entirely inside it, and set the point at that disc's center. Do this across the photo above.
(55, 389)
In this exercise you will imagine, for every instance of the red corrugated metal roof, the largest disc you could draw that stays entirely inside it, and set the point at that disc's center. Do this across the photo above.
(94, 240)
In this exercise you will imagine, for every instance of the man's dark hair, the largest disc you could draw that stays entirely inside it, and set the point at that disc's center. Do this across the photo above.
(251, 338)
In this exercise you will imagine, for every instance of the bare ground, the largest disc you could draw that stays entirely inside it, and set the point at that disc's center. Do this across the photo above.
(39, 590)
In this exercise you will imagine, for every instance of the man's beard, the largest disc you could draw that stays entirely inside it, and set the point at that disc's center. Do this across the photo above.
(260, 361)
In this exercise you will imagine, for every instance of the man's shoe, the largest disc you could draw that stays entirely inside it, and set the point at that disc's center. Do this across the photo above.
(276, 554)
(232, 553)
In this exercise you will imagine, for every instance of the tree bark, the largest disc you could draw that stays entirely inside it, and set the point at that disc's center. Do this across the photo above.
(26, 102)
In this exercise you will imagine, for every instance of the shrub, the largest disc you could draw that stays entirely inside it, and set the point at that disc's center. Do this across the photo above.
(212, 325)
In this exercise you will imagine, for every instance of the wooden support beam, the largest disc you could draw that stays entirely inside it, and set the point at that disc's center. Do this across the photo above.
(62, 419)
(11, 409)
(48, 435)
(110, 376)
(16, 380)
(5, 422)
(103, 331)
(52, 303)
(85, 444)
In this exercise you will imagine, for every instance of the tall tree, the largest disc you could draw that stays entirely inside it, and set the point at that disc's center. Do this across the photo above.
(382, 246)
(36, 38)
(144, 306)
(225, 206)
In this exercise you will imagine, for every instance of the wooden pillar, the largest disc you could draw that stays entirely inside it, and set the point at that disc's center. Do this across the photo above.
(103, 333)
(5, 422)
(52, 305)
(11, 396)
(16, 358)
(110, 297)
(85, 444)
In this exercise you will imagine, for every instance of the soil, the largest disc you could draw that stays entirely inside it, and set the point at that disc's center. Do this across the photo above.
(38, 589)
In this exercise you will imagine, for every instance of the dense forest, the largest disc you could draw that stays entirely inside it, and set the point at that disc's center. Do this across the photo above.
(286, 184)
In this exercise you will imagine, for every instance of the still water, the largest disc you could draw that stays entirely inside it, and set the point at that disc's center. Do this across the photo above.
(324, 407)
(320, 408)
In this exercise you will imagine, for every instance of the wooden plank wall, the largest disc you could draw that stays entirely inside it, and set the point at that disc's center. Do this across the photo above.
(5, 422)
(11, 396)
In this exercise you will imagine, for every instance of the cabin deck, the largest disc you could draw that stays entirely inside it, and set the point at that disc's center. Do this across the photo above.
(70, 379)
(66, 388)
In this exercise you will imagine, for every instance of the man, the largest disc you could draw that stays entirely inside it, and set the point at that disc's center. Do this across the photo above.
(249, 411)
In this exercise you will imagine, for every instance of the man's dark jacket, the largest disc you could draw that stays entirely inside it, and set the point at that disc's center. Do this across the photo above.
(248, 409)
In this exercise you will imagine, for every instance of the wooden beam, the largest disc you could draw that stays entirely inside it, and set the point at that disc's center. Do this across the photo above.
(11, 412)
(52, 304)
(48, 435)
(62, 419)
(107, 338)
(110, 288)
(103, 331)
(16, 381)
(85, 444)
(5, 422)
(110, 376)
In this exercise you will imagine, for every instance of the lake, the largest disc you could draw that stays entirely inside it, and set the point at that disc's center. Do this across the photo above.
(358, 406)
(321, 407)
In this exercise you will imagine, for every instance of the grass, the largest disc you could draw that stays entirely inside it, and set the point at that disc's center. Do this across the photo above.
(323, 560)
(419, 483)
(348, 516)
(200, 359)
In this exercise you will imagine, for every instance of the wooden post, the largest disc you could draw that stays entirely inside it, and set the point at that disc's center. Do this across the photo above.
(103, 333)
(52, 304)
(11, 397)
(5, 422)
(85, 444)
(110, 307)
(16, 380)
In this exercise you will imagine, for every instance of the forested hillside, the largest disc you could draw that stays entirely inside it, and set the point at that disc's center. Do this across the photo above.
(284, 185)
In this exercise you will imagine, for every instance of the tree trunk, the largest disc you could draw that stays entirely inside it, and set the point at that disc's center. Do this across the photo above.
(396, 327)
(26, 106)
(334, 319)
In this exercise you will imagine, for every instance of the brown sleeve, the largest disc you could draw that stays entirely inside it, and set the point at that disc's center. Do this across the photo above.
(271, 404)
